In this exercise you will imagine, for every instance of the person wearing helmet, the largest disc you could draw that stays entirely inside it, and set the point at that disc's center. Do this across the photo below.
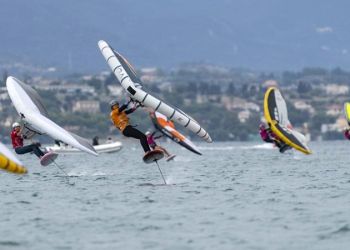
(268, 136)
(120, 119)
(18, 145)
(152, 143)
(347, 133)
(95, 141)
(265, 133)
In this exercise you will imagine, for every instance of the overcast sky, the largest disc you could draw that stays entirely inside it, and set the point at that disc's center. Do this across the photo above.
(263, 35)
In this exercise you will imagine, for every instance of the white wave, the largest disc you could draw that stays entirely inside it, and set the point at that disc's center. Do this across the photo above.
(263, 146)
(99, 174)
(85, 173)
(169, 180)
(225, 148)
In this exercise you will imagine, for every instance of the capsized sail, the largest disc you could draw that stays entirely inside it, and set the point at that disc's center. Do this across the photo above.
(276, 115)
(35, 117)
(126, 75)
(9, 162)
(162, 123)
(347, 111)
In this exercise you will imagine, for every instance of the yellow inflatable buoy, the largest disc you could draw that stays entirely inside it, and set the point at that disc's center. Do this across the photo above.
(11, 166)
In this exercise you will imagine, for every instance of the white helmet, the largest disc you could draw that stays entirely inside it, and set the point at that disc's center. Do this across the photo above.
(15, 125)
(147, 133)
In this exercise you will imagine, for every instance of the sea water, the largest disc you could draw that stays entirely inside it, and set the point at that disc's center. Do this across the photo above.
(234, 196)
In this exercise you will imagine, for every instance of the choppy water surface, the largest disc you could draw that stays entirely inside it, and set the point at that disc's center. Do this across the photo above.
(235, 196)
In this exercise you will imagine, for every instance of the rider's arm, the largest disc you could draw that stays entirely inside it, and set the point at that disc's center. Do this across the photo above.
(19, 133)
(123, 107)
(157, 137)
(28, 135)
(129, 111)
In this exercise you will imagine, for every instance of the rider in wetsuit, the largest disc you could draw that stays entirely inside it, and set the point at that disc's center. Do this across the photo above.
(268, 136)
(17, 142)
(121, 121)
(152, 143)
(347, 133)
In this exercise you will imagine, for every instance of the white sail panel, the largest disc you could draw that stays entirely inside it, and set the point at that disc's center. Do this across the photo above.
(120, 68)
(34, 115)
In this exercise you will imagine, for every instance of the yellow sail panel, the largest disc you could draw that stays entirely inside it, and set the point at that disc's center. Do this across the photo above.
(11, 166)
(275, 112)
(347, 111)
(267, 114)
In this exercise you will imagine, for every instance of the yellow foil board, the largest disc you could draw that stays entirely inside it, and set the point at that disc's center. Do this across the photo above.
(276, 128)
(11, 166)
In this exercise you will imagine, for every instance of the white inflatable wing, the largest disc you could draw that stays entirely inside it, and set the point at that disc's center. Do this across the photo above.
(42, 123)
(127, 78)
(4, 150)
(33, 113)
(283, 119)
(281, 106)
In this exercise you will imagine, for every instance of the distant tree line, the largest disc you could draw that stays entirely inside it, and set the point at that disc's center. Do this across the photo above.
(188, 83)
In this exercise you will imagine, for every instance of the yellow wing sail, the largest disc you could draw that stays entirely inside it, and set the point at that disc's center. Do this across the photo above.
(347, 111)
(270, 110)
(11, 166)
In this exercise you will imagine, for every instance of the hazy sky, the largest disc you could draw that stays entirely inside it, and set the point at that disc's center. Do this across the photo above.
(270, 35)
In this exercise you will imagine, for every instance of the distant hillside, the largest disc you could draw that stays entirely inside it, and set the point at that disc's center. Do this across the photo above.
(263, 35)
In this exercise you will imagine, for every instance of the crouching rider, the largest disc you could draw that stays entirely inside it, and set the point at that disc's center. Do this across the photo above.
(17, 142)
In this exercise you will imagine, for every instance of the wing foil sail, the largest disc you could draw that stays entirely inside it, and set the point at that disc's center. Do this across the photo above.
(126, 75)
(35, 117)
(276, 115)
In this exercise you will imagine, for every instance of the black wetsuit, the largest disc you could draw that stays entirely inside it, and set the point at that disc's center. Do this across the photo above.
(130, 131)
(29, 148)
